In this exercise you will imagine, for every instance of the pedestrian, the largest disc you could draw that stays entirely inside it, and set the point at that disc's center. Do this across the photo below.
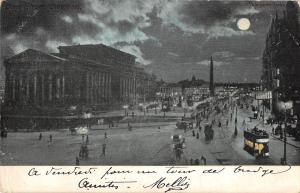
(103, 149)
(50, 138)
(129, 127)
(77, 161)
(197, 135)
(40, 137)
(105, 135)
(193, 133)
(86, 152)
(203, 159)
(81, 152)
(191, 161)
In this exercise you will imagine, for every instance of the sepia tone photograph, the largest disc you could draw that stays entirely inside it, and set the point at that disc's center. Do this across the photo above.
(149, 82)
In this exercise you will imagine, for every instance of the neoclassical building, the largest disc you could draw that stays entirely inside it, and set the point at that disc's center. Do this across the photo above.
(82, 77)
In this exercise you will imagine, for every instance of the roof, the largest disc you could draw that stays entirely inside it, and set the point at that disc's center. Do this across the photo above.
(102, 47)
(35, 55)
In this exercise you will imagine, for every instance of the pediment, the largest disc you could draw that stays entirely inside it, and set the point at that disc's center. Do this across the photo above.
(31, 55)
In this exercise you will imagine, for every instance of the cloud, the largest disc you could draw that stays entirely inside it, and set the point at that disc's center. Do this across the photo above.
(92, 22)
(67, 19)
(53, 44)
(134, 50)
(207, 63)
(173, 54)
(223, 54)
(247, 11)
(214, 18)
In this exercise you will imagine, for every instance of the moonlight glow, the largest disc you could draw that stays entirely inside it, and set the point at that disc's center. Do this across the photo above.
(243, 24)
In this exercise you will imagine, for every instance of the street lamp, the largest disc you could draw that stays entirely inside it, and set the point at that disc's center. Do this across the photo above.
(235, 125)
(285, 105)
(283, 160)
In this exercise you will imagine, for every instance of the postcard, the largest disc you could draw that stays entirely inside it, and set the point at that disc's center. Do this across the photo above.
(150, 96)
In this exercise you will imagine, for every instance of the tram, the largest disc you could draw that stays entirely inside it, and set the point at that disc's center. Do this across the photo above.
(256, 142)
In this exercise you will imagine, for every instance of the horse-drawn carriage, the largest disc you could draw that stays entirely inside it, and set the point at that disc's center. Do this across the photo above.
(82, 130)
(178, 144)
(184, 125)
(209, 132)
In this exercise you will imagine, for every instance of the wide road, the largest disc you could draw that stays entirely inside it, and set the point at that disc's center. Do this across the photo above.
(146, 144)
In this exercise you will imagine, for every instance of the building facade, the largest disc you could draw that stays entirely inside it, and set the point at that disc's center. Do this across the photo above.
(281, 59)
(93, 78)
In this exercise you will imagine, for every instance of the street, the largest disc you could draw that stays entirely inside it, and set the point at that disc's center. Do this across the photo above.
(148, 143)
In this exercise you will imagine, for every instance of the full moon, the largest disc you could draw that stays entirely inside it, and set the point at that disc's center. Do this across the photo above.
(243, 24)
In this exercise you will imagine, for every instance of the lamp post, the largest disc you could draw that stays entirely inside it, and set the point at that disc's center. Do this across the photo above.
(285, 105)
(235, 125)
(283, 160)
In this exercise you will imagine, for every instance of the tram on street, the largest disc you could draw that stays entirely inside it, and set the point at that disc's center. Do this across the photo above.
(256, 142)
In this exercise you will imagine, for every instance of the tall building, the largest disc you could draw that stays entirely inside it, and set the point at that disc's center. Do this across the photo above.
(40, 86)
(281, 59)
(211, 77)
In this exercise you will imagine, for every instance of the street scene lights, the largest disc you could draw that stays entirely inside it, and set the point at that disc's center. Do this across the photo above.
(288, 105)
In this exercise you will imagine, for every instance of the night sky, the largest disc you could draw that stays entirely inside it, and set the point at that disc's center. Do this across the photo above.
(173, 39)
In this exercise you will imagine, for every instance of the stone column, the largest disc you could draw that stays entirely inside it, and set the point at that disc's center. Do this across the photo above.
(125, 89)
(104, 87)
(99, 87)
(87, 87)
(57, 79)
(135, 90)
(91, 87)
(63, 87)
(13, 86)
(110, 86)
(50, 87)
(27, 87)
(121, 88)
(20, 90)
(35, 88)
(42, 88)
(107, 88)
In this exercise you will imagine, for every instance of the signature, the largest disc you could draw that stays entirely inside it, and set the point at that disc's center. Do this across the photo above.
(180, 183)
(85, 183)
